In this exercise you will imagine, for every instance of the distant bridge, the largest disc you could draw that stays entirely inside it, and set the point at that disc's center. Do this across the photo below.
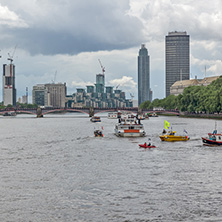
(86, 110)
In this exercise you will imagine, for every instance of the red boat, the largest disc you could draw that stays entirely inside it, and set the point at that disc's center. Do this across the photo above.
(145, 145)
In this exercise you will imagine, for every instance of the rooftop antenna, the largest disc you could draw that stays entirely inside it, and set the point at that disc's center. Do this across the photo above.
(181, 75)
(205, 71)
(117, 86)
(11, 56)
(26, 95)
(102, 67)
(53, 81)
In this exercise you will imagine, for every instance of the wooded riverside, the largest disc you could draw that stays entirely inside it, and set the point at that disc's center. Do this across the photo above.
(196, 99)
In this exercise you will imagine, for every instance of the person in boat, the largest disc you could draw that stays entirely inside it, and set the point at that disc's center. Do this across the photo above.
(171, 133)
(164, 131)
(145, 144)
(149, 144)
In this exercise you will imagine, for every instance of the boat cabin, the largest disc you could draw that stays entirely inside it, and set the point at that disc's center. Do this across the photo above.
(215, 137)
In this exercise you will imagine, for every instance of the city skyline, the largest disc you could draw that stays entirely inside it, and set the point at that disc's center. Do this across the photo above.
(46, 40)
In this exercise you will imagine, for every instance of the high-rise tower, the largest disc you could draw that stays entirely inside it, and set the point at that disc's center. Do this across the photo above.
(9, 91)
(100, 83)
(177, 58)
(144, 92)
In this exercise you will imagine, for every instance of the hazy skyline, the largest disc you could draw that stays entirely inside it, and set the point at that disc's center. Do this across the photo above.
(68, 37)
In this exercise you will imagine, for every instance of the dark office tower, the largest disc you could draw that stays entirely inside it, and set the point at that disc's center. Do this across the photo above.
(177, 58)
(143, 75)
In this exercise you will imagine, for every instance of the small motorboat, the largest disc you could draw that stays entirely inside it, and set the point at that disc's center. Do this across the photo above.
(10, 113)
(213, 139)
(95, 119)
(152, 115)
(98, 133)
(171, 137)
(145, 145)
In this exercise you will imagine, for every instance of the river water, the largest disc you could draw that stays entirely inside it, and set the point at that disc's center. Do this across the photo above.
(54, 169)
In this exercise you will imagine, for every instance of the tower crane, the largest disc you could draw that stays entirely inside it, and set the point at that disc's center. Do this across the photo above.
(11, 56)
(102, 67)
(132, 96)
(117, 86)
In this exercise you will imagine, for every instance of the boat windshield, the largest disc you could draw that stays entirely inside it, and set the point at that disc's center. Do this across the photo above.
(212, 137)
(171, 132)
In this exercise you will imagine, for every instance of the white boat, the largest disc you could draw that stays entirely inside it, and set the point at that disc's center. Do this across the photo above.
(113, 115)
(10, 113)
(153, 115)
(141, 117)
(129, 128)
(127, 116)
(95, 119)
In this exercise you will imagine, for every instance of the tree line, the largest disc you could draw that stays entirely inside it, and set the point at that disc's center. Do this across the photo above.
(195, 99)
(18, 105)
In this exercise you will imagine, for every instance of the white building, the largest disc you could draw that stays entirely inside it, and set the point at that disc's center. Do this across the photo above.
(179, 86)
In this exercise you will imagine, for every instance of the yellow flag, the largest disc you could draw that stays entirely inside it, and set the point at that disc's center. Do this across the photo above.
(167, 125)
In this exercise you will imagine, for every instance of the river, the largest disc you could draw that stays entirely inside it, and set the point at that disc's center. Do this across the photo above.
(54, 169)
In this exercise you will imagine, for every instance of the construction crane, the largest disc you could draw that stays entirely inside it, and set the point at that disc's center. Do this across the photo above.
(132, 96)
(102, 67)
(11, 56)
(117, 86)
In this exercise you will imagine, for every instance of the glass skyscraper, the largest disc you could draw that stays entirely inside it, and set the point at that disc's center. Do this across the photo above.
(177, 58)
(144, 92)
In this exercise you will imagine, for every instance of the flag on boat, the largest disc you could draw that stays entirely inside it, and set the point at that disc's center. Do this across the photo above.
(102, 127)
(215, 132)
(185, 131)
(167, 125)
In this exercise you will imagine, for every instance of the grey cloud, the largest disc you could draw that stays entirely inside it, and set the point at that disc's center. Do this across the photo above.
(203, 21)
(76, 26)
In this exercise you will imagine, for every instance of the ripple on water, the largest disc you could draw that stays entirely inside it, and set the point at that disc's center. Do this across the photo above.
(58, 171)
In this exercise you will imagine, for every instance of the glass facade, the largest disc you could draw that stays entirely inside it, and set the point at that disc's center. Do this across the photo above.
(177, 58)
(100, 83)
(143, 76)
(40, 98)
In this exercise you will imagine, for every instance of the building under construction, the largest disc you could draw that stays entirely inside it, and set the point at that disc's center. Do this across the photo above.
(98, 95)
(9, 91)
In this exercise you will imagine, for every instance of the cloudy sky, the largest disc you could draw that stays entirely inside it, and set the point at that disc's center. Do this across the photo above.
(62, 40)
